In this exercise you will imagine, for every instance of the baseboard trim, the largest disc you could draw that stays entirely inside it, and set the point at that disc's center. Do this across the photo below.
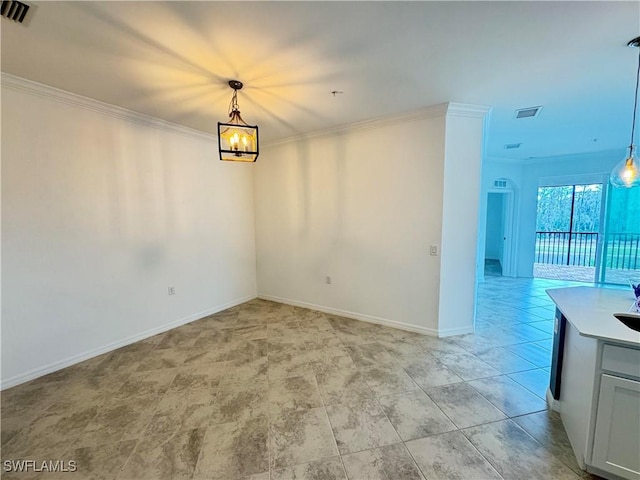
(356, 316)
(52, 367)
(450, 332)
(552, 402)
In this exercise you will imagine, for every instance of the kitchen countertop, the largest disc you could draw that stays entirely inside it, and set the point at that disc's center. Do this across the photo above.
(590, 310)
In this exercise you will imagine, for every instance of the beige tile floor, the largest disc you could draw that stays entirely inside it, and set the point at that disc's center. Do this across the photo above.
(268, 391)
(584, 274)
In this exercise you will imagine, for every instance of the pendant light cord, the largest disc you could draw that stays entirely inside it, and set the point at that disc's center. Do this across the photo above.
(635, 104)
(233, 105)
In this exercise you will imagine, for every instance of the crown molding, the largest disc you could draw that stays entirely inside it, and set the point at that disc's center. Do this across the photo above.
(503, 160)
(68, 98)
(467, 110)
(433, 111)
(615, 154)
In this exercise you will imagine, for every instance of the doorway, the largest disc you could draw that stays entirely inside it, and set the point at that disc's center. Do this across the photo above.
(568, 232)
(497, 245)
(494, 242)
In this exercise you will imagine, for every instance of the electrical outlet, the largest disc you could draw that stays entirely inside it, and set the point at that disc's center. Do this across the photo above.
(433, 250)
(327, 280)
(172, 290)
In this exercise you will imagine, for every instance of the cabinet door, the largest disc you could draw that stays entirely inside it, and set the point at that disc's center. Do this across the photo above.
(616, 446)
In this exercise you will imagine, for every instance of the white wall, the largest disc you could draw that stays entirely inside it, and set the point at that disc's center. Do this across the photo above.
(462, 185)
(568, 167)
(100, 214)
(510, 171)
(495, 227)
(362, 209)
(526, 176)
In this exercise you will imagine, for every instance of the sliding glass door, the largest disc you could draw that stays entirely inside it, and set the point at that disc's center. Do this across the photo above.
(621, 246)
(567, 232)
(577, 238)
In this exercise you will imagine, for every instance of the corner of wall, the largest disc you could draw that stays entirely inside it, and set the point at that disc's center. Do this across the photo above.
(464, 140)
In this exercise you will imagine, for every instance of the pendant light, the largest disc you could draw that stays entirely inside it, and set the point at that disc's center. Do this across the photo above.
(626, 174)
(237, 141)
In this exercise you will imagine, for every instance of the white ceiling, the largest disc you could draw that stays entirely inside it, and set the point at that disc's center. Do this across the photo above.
(172, 60)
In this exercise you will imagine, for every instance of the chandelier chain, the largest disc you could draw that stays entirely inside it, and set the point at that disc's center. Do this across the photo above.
(233, 105)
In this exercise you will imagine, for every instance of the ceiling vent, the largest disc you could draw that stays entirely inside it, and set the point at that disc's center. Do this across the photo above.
(14, 10)
(511, 146)
(528, 112)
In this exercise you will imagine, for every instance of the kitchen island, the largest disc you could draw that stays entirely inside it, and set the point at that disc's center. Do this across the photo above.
(595, 379)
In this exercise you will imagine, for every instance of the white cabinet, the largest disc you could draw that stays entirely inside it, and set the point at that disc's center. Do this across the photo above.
(616, 447)
(599, 398)
(600, 405)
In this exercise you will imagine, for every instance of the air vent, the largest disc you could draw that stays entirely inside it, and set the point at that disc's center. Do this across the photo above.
(13, 10)
(511, 146)
(528, 112)
(500, 183)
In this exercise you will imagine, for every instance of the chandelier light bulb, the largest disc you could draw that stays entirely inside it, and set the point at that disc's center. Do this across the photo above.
(626, 174)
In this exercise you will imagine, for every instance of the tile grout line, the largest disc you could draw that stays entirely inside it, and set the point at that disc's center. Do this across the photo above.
(524, 386)
(377, 397)
(404, 444)
(326, 413)
(269, 436)
(489, 462)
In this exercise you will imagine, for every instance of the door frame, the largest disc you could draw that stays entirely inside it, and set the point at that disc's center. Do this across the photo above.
(602, 231)
(586, 179)
(508, 246)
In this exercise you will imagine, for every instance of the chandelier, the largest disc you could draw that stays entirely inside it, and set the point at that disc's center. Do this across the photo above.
(237, 141)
